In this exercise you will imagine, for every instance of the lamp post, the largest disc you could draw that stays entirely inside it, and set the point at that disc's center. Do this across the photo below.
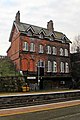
(38, 76)
(38, 73)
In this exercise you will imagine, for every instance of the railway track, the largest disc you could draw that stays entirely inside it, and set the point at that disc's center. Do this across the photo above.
(23, 100)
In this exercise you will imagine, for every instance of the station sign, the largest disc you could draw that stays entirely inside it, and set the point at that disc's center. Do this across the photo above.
(31, 77)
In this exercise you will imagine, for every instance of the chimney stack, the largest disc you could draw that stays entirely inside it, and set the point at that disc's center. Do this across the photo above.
(50, 26)
(17, 18)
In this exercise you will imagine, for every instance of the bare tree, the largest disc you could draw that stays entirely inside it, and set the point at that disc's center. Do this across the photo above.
(76, 44)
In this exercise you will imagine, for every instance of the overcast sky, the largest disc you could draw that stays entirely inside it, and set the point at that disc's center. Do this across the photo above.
(64, 13)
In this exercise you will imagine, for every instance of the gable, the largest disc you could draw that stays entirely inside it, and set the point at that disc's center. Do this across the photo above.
(13, 33)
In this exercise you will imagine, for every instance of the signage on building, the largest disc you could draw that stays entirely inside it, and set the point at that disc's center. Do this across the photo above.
(31, 77)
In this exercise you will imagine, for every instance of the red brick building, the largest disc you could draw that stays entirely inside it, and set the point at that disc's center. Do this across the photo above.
(42, 54)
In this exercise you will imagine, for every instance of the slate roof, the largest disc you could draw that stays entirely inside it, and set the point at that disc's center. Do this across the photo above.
(23, 28)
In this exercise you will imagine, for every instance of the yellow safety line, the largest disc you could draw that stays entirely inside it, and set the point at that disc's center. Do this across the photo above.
(41, 109)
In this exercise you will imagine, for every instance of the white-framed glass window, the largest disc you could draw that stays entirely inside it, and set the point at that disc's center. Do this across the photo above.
(66, 52)
(54, 66)
(62, 67)
(66, 67)
(32, 47)
(49, 66)
(54, 50)
(48, 49)
(61, 52)
(41, 49)
(25, 46)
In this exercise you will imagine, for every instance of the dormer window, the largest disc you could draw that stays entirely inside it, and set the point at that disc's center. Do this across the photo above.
(41, 35)
(29, 33)
(52, 37)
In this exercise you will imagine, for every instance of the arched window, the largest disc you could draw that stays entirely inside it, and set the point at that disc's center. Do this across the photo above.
(49, 66)
(54, 51)
(54, 66)
(25, 46)
(61, 52)
(62, 67)
(32, 65)
(41, 49)
(66, 67)
(32, 47)
(48, 50)
(66, 52)
(24, 64)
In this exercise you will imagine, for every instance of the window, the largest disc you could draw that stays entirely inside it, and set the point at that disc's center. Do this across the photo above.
(61, 52)
(41, 49)
(30, 33)
(54, 66)
(40, 63)
(62, 67)
(66, 67)
(32, 47)
(48, 50)
(54, 51)
(25, 46)
(52, 37)
(66, 52)
(41, 35)
(49, 66)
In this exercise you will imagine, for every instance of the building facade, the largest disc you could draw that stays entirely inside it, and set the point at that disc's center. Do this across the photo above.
(41, 54)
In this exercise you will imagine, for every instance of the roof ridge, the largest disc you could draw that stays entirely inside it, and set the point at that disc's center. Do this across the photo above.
(39, 27)
(33, 25)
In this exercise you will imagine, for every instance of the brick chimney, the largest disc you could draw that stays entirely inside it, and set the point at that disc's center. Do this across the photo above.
(50, 26)
(17, 18)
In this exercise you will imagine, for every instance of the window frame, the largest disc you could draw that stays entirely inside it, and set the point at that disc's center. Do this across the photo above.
(66, 67)
(41, 36)
(29, 32)
(41, 50)
(61, 52)
(41, 63)
(54, 66)
(48, 49)
(32, 47)
(49, 66)
(66, 52)
(54, 50)
(62, 67)
(25, 46)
